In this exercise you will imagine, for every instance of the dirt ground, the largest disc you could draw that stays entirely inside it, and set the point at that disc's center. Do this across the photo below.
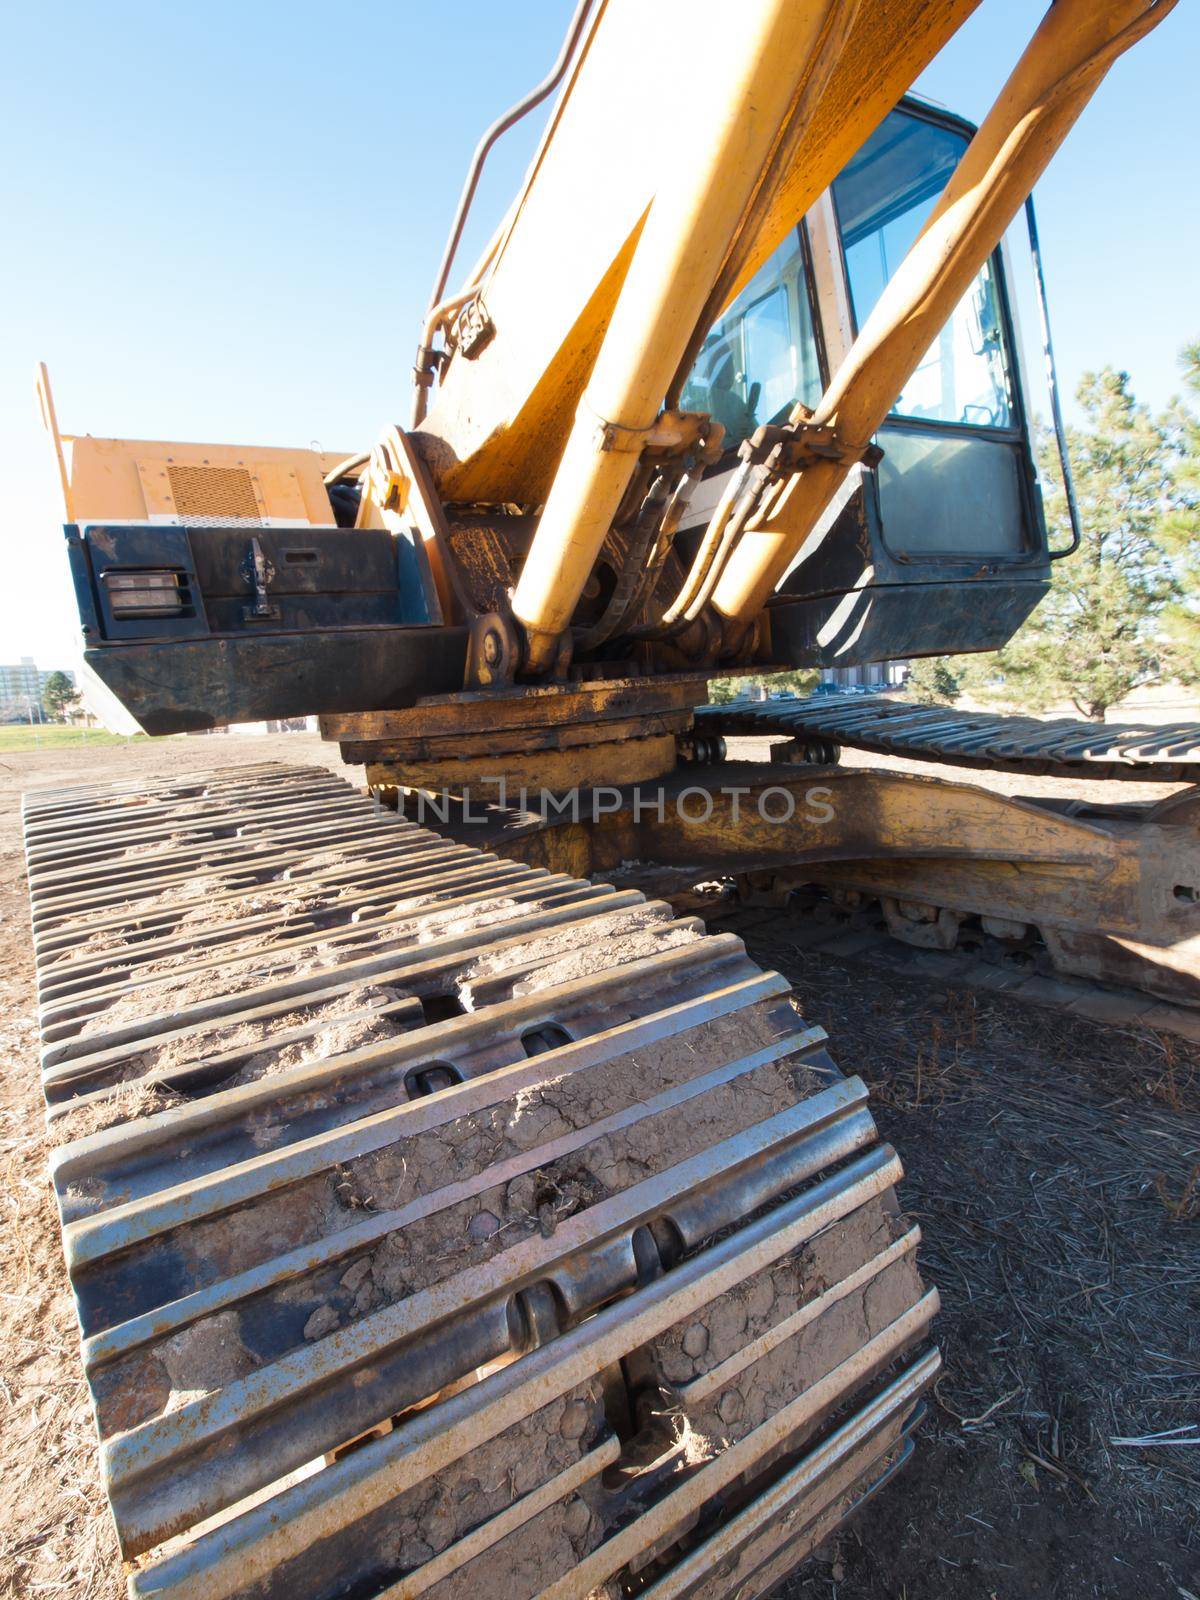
(1052, 1164)
(1054, 1169)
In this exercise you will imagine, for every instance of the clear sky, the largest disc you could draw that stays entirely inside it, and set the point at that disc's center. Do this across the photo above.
(223, 219)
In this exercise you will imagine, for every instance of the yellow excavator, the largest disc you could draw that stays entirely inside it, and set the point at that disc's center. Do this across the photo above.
(444, 1207)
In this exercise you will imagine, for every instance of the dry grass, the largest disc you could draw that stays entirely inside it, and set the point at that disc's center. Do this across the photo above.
(123, 1104)
(1053, 1165)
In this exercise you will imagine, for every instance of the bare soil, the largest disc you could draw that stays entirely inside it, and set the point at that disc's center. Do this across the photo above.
(1053, 1166)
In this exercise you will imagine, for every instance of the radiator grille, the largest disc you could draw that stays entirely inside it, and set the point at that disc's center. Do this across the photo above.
(222, 495)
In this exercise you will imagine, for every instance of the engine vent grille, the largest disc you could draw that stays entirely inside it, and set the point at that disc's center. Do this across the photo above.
(221, 495)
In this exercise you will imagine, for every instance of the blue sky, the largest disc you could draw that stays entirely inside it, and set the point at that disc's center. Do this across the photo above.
(223, 219)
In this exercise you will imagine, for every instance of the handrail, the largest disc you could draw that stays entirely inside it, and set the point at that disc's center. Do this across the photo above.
(502, 124)
(1060, 432)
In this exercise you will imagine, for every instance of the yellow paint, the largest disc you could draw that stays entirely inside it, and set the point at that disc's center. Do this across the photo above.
(638, 110)
(685, 144)
(760, 87)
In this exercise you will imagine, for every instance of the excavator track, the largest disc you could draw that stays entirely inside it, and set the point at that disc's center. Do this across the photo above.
(1055, 748)
(435, 1220)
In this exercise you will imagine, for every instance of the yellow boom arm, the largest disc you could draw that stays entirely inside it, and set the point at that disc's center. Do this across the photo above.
(633, 230)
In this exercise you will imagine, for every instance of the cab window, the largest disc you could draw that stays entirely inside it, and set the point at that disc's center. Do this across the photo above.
(883, 198)
(761, 356)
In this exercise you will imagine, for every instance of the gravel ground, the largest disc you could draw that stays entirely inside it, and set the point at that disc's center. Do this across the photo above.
(1053, 1167)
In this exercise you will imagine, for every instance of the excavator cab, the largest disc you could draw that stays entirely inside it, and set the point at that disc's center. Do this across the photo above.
(220, 584)
(942, 546)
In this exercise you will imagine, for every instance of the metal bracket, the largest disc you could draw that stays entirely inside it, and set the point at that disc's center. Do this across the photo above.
(671, 433)
(474, 329)
(800, 442)
(258, 573)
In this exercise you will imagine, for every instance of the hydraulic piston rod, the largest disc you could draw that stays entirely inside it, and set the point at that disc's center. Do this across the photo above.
(765, 86)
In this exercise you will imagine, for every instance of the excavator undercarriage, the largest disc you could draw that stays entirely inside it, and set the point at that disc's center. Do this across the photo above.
(1103, 890)
(436, 1204)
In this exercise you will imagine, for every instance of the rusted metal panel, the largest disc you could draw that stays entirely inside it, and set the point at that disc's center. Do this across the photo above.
(552, 736)
(543, 705)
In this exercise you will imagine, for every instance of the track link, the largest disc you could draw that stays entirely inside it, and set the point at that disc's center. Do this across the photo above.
(435, 1220)
(1055, 748)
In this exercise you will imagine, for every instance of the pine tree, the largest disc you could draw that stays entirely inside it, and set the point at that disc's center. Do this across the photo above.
(58, 696)
(932, 680)
(1100, 632)
(1181, 529)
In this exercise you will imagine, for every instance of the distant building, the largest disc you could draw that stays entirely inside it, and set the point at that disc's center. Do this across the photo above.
(874, 674)
(22, 686)
(22, 682)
